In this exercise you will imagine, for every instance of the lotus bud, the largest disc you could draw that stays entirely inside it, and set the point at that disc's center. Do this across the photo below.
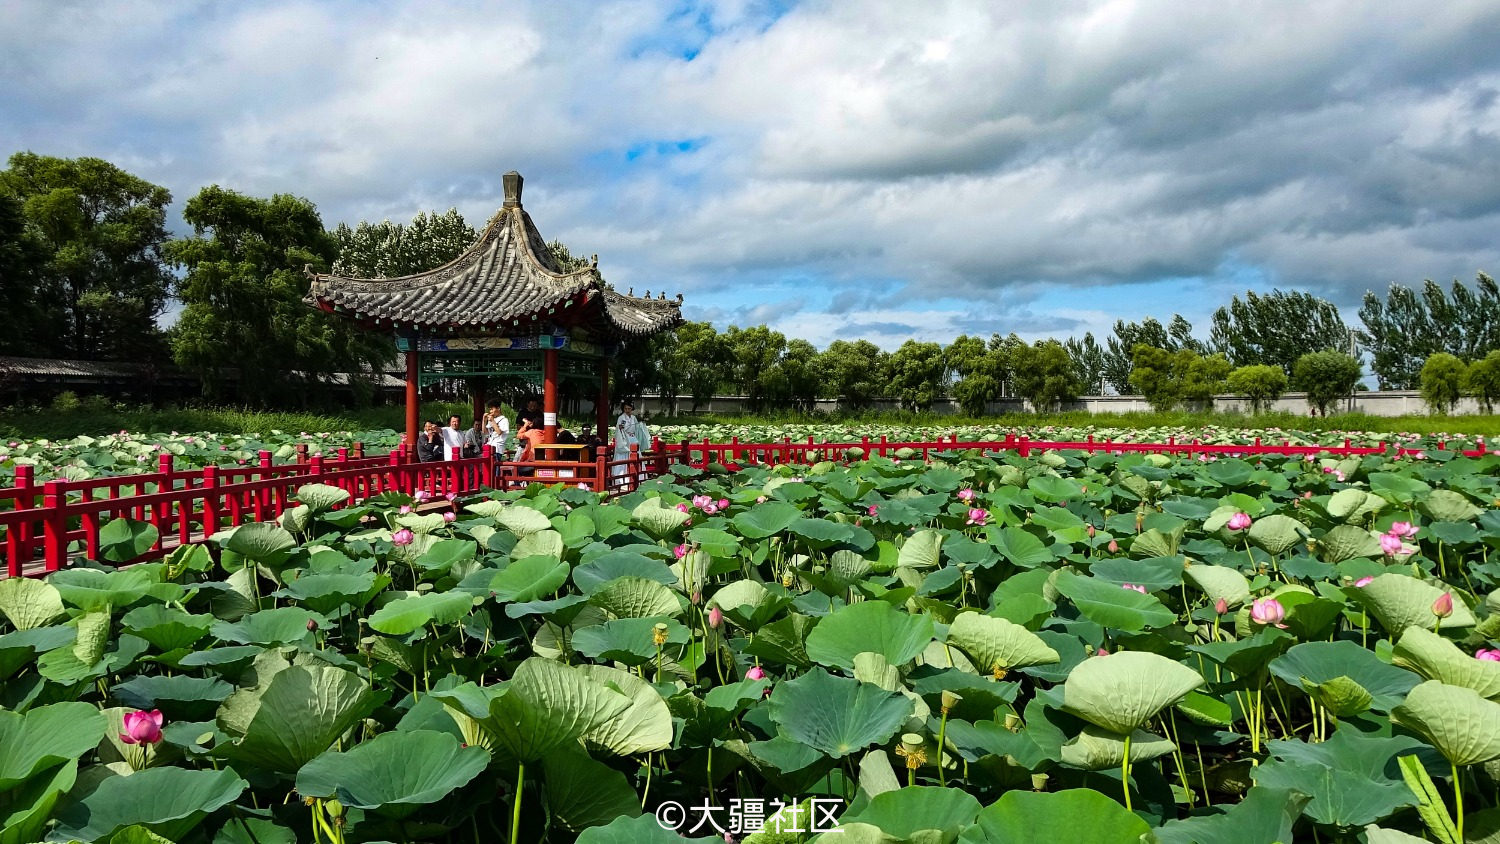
(1113, 547)
(659, 634)
(715, 617)
(1221, 606)
(405, 509)
(680, 551)
(1364, 581)
(697, 597)
(312, 625)
(1091, 531)
(1239, 521)
(1012, 721)
(142, 727)
(1134, 587)
(1487, 654)
(950, 700)
(335, 808)
(755, 673)
(402, 538)
(1443, 606)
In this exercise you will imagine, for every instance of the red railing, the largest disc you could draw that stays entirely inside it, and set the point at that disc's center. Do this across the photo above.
(736, 454)
(44, 525)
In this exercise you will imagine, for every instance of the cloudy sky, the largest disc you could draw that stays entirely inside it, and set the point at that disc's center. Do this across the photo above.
(835, 169)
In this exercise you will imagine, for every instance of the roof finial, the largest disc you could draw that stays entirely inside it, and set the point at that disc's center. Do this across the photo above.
(632, 292)
(512, 182)
(679, 298)
(648, 294)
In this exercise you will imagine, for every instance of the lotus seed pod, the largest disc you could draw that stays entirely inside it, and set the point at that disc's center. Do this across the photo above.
(1039, 782)
(950, 700)
(1012, 721)
(335, 808)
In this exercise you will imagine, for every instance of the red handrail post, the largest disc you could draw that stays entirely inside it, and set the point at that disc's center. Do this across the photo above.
(601, 469)
(1024, 449)
(210, 500)
(54, 525)
(301, 453)
(359, 450)
(634, 466)
(18, 540)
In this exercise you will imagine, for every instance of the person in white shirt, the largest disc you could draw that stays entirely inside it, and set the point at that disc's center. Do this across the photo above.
(496, 429)
(453, 439)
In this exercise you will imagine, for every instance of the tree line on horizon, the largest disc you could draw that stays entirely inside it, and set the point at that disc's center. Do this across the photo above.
(88, 268)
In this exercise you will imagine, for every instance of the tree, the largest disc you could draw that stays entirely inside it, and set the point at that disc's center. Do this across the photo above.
(703, 360)
(975, 393)
(1277, 328)
(915, 374)
(565, 260)
(753, 352)
(388, 250)
(1443, 377)
(1002, 358)
(102, 282)
(795, 379)
(1153, 371)
(1399, 336)
(1202, 376)
(1089, 361)
(1128, 335)
(1483, 381)
(33, 325)
(242, 296)
(1044, 375)
(852, 372)
(1261, 383)
(1326, 377)
(965, 356)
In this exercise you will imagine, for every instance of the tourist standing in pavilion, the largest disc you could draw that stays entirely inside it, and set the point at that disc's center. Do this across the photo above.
(629, 431)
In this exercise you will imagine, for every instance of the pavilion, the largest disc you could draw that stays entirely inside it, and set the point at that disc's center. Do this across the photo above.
(503, 309)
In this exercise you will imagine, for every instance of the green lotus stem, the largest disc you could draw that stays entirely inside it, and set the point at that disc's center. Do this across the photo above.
(1458, 800)
(1171, 724)
(1125, 773)
(645, 792)
(911, 776)
(515, 812)
(942, 734)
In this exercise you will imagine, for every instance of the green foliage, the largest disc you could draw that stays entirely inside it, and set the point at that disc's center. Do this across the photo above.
(914, 374)
(242, 294)
(1326, 377)
(88, 242)
(1168, 378)
(387, 250)
(1044, 374)
(1482, 380)
(1442, 379)
(753, 352)
(852, 370)
(1277, 328)
(1261, 383)
(1408, 326)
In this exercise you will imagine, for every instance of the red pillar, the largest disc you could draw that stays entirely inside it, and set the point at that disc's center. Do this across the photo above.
(549, 396)
(601, 406)
(413, 402)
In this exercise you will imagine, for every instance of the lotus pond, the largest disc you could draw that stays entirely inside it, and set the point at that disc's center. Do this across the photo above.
(976, 649)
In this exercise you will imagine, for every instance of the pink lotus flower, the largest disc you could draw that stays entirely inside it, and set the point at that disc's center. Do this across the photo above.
(723, 504)
(680, 551)
(1101, 652)
(1239, 521)
(966, 494)
(1267, 611)
(1307, 494)
(405, 508)
(701, 501)
(1405, 530)
(872, 510)
(1364, 581)
(1221, 606)
(1339, 475)
(760, 499)
(682, 507)
(452, 497)
(1327, 470)
(1307, 458)
(142, 727)
(402, 538)
(978, 517)
(421, 495)
(710, 509)
(1443, 606)
(755, 673)
(1487, 654)
(715, 617)
(1391, 544)
(449, 517)
(1134, 587)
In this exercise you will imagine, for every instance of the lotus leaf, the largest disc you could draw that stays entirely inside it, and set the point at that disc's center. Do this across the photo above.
(28, 603)
(1122, 691)
(835, 715)
(1075, 816)
(1463, 726)
(1436, 658)
(873, 626)
(393, 774)
(167, 801)
(997, 645)
(1398, 602)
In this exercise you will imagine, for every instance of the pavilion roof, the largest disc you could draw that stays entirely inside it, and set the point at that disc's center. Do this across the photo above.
(507, 280)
